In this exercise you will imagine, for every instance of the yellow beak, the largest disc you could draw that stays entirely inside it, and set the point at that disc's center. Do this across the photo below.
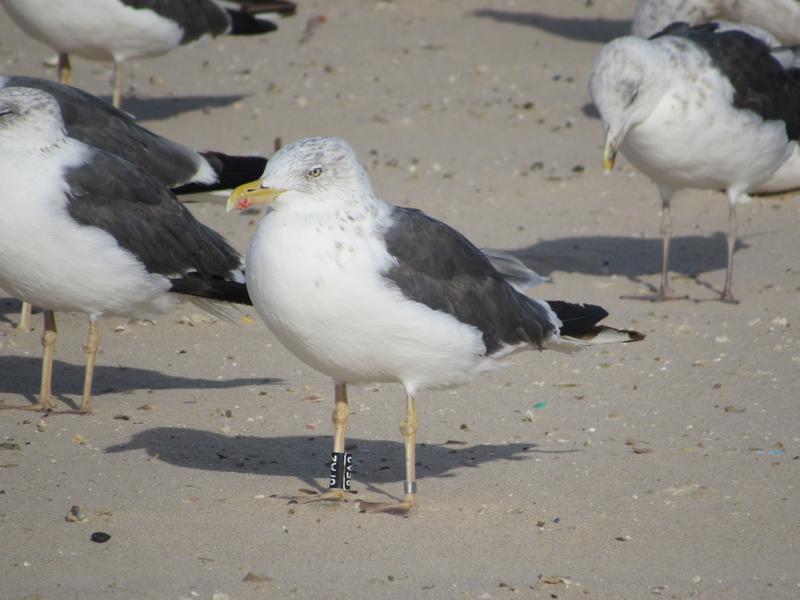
(251, 194)
(609, 153)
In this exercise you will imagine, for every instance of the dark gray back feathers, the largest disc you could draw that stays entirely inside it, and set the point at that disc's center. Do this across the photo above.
(440, 268)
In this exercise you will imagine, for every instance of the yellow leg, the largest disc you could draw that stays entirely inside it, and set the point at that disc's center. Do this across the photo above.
(92, 344)
(341, 412)
(64, 70)
(116, 81)
(408, 428)
(25, 317)
(49, 337)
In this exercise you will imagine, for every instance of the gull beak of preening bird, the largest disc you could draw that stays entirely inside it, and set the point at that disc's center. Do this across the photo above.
(609, 151)
(251, 194)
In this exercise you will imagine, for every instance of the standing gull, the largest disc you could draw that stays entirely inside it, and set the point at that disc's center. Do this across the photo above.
(364, 292)
(96, 123)
(118, 30)
(693, 108)
(83, 230)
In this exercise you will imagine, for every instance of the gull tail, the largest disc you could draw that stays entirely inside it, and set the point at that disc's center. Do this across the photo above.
(579, 327)
(245, 23)
(211, 288)
(255, 7)
(231, 171)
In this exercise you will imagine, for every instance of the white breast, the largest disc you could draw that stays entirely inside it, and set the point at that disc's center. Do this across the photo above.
(737, 148)
(318, 288)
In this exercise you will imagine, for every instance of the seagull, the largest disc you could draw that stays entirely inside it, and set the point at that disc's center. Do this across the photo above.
(778, 18)
(365, 292)
(85, 231)
(93, 121)
(694, 108)
(118, 30)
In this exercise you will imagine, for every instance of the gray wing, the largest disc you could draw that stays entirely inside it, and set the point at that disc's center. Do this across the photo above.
(440, 268)
(97, 123)
(145, 218)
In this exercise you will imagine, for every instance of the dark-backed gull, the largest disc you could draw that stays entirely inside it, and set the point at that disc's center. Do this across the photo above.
(91, 120)
(118, 30)
(83, 230)
(364, 291)
(780, 18)
(694, 108)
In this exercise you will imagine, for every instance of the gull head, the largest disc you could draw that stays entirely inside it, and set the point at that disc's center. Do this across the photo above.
(627, 81)
(30, 119)
(315, 173)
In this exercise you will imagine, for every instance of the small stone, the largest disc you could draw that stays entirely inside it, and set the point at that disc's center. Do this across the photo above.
(100, 537)
(75, 515)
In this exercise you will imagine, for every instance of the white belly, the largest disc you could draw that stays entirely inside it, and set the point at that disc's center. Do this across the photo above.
(95, 29)
(736, 148)
(318, 290)
(50, 261)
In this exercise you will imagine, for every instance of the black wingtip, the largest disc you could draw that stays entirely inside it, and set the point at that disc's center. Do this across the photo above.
(281, 7)
(577, 318)
(244, 23)
(232, 171)
(211, 288)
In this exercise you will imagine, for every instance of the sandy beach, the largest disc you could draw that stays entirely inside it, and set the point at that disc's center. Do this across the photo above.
(668, 468)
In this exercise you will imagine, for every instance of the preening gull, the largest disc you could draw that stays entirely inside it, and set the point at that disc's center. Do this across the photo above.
(364, 291)
(694, 108)
(780, 18)
(83, 230)
(96, 123)
(118, 30)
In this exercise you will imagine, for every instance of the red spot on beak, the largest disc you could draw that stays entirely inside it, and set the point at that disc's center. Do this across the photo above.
(243, 204)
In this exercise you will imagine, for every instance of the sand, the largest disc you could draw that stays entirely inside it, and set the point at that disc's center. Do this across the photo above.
(667, 468)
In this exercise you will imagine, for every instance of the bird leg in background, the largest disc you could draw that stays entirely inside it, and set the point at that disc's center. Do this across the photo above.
(64, 69)
(116, 82)
(339, 485)
(49, 337)
(665, 292)
(408, 428)
(25, 316)
(730, 232)
(92, 344)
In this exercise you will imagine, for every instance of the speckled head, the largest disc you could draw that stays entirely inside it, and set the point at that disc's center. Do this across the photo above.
(29, 119)
(628, 79)
(311, 171)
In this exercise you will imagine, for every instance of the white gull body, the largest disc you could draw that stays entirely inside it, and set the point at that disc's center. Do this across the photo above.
(314, 273)
(104, 30)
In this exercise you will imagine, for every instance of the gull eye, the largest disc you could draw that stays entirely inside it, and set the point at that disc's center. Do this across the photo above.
(315, 172)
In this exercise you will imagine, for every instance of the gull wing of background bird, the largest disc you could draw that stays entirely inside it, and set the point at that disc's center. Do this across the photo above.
(97, 123)
(145, 218)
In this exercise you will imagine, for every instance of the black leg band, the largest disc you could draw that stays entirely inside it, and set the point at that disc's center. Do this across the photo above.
(341, 470)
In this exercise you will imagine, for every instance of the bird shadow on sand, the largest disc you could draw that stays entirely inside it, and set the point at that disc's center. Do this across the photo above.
(157, 109)
(22, 378)
(634, 258)
(305, 457)
(598, 31)
(9, 311)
